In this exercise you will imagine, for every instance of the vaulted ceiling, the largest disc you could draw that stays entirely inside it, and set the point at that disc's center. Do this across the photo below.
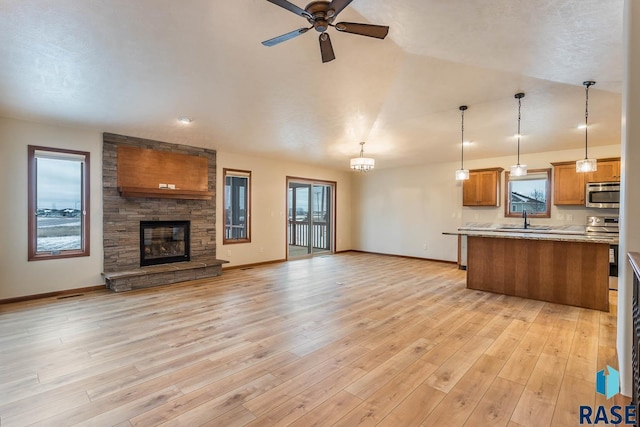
(134, 67)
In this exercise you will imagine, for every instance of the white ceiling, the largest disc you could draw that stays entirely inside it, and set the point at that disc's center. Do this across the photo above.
(134, 67)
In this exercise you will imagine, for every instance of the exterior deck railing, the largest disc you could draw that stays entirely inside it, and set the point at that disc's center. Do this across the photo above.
(298, 234)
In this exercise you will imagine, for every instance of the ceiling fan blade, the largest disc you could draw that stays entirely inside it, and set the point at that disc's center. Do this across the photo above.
(337, 6)
(326, 49)
(377, 31)
(291, 7)
(285, 37)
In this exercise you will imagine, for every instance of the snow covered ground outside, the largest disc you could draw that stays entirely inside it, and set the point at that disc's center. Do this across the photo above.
(46, 244)
(58, 234)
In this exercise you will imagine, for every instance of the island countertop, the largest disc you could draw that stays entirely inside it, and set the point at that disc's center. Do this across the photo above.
(532, 234)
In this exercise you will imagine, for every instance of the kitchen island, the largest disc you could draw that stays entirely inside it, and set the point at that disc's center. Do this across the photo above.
(571, 269)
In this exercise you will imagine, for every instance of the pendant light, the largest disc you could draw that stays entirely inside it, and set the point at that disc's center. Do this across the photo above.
(518, 169)
(586, 164)
(362, 163)
(462, 173)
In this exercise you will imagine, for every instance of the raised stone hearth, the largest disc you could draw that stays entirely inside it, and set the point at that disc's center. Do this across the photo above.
(163, 274)
(122, 217)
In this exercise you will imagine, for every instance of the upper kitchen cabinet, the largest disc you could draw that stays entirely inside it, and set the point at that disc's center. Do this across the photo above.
(569, 185)
(482, 188)
(608, 170)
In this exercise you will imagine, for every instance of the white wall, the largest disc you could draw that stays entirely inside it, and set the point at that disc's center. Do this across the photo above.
(402, 210)
(269, 207)
(19, 277)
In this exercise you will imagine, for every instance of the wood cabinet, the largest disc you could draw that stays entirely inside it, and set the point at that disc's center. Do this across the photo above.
(482, 188)
(569, 186)
(608, 170)
(563, 272)
(160, 174)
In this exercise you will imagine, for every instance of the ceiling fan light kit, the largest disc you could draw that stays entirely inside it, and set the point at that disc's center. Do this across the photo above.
(586, 164)
(321, 14)
(518, 169)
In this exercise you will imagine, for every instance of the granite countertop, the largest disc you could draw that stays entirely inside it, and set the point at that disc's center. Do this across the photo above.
(566, 233)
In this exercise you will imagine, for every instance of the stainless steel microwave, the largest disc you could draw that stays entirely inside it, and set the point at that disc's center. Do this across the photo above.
(603, 195)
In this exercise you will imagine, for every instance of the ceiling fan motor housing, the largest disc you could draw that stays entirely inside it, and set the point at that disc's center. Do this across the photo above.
(320, 18)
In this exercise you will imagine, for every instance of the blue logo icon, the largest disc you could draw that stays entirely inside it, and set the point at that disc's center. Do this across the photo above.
(608, 385)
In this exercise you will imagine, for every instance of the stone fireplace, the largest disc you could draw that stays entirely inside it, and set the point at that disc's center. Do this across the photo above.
(123, 240)
(164, 242)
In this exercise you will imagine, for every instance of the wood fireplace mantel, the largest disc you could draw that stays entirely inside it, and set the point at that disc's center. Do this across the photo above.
(143, 172)
(165, 193)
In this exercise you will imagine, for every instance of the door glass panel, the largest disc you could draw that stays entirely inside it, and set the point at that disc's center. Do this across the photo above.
(320, 238)
(310, 216)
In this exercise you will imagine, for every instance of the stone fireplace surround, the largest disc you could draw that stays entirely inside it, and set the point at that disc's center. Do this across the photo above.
(122, 216)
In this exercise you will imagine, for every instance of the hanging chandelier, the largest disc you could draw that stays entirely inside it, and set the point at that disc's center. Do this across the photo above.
(518, 169)
(362, 163)
(586, 164)
(462, 173)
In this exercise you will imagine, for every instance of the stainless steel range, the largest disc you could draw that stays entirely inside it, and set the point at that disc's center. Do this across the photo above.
(606, 226)
(602, 225)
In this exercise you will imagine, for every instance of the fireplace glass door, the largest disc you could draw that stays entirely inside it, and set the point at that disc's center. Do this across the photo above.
(163, 242)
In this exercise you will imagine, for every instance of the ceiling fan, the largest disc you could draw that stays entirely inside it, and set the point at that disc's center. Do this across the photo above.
(321, 15)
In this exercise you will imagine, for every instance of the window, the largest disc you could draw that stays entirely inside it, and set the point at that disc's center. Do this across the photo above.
(58, 203)
(530, 193)
(237, 206)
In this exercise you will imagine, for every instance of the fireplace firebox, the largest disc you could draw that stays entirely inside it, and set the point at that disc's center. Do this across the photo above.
(163, 242)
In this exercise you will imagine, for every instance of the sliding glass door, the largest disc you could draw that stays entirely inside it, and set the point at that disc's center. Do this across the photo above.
(310, 218)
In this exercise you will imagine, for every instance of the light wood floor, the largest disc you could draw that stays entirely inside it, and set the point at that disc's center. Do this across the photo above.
(343, 340)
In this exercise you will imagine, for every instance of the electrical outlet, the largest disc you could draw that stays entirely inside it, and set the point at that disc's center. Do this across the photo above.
(261, 250)
(228, 252)
(569, 217)
(424, 246)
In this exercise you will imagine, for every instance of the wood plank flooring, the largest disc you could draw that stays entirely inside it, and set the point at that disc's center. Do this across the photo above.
(348, 339)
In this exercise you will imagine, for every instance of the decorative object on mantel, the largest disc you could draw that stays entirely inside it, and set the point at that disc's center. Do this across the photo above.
(518, 169)
(362, 163)
(144, 172)
(586, 164)
(462, 173)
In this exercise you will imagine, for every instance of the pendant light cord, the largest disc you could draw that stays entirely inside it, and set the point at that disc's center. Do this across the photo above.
(586, 119)
(519, 105)
(462, 140)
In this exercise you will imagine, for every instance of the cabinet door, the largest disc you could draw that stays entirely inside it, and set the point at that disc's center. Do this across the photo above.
(568, 185)
(608, 170)
(470, 194)
(488, 188)
(481, 189)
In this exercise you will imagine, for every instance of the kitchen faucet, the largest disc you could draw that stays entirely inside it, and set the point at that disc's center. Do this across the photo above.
(524, 215)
